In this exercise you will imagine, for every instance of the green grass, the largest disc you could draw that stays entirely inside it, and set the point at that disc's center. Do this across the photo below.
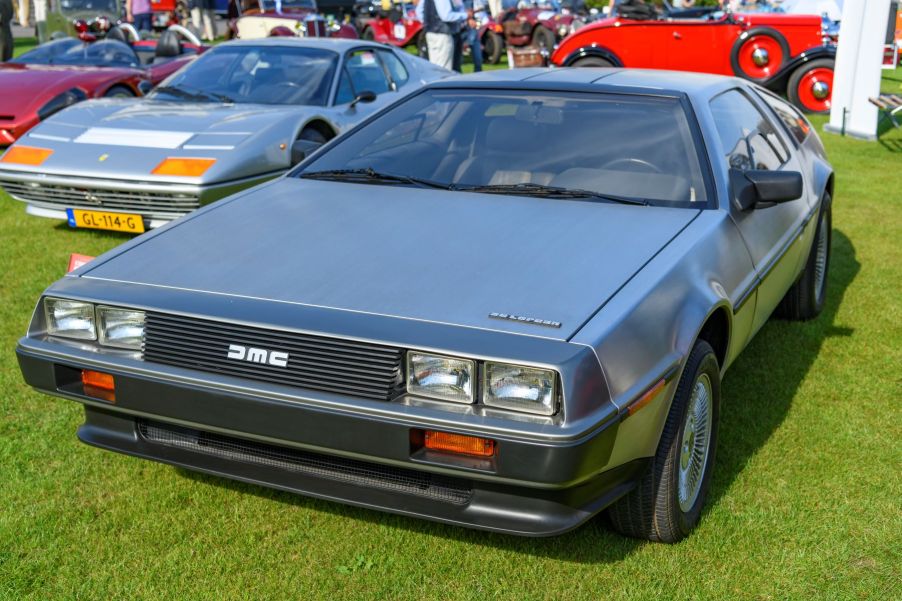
(805, 502)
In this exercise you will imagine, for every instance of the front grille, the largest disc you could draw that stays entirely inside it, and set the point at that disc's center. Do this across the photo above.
(315, 362)
(348, 471)
(58, 196)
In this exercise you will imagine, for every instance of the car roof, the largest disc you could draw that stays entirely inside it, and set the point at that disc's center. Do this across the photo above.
(336, 44)
(651, 81)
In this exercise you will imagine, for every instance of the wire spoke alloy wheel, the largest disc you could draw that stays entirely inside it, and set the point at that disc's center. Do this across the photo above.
(820, 259)
(695, 443)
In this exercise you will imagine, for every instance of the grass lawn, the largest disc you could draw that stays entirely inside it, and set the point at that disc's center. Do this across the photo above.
(805, 501)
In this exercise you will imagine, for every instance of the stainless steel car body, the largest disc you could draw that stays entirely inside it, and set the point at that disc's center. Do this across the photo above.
(631, 287)
(111, 169)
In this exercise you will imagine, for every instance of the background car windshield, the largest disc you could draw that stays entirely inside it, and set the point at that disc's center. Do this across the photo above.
(105, 53)
(260, 74)
(635, 146)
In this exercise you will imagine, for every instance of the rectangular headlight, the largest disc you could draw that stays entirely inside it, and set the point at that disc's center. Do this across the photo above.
(70, 319)
(526, 389)
(120, 328)
(444, 378)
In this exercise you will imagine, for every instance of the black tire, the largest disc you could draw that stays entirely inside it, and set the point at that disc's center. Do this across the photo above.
(313, 135)
(792, 88)
(368, 34)
(652, 510)
(757, 31)
(805, 299)
(119, 92)
(594, 61)
(422, 46)
(492, 46)
(542, 37)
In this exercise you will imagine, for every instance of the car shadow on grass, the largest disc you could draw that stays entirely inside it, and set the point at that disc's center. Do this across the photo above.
(757, 393)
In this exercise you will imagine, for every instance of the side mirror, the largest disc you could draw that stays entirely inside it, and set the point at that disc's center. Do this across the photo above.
(301, 149)
(364, 96)
(758, 186)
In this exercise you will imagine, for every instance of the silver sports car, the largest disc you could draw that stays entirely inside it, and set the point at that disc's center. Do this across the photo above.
(506, 302)
(241, 114)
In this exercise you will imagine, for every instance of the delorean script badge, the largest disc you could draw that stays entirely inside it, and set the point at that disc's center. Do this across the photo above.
(520, 318)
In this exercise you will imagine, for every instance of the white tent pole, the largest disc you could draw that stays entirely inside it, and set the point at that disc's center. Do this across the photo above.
(858, 68)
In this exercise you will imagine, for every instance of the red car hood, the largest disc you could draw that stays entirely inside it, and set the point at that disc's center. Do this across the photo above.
(26, 88)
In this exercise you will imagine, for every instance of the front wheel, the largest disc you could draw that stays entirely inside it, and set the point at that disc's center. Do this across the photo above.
(119, 92)
(492, 44)
(805, 299)
(368, 34)
(811, 86)
(543, 38)
(594, 61)
(667, 503)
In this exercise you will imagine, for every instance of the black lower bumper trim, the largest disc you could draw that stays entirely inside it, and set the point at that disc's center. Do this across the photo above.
(360, 473)
(475, 504)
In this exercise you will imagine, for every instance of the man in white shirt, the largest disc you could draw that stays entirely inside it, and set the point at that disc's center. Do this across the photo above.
(442, 22)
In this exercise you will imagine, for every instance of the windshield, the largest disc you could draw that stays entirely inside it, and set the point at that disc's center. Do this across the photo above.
(255, 74)
(280, 5)
(554, 144)
(69, 51)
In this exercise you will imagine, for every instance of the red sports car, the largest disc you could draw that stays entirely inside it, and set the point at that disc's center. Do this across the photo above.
(785, 53)
(62, 72)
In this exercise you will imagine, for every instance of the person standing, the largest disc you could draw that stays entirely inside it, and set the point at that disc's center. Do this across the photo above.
(441, 23)
(203, 18)
(477, 9)
(6, 30)
(139, 14)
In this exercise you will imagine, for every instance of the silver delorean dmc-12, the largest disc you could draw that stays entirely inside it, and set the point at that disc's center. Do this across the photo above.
(505, 302)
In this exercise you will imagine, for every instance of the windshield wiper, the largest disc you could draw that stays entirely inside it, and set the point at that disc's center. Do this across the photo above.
(371, 175)
(527, 189)
(199, 95)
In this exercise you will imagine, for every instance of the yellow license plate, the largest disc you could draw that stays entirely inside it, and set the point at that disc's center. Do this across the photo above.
(101, 220)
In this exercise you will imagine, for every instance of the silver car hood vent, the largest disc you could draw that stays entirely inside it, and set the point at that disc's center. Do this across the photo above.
(433, 255)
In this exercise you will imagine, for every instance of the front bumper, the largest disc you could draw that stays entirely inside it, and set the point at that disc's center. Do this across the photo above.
(531, 487)
(49, 195)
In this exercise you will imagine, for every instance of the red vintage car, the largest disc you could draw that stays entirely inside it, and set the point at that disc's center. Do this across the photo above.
(537, 23)
(785, 53)
(62, 72)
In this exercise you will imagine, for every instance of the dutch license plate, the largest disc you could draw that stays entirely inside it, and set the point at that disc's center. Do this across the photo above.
(100, 220)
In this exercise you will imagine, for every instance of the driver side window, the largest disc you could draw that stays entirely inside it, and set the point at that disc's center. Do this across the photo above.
(748, 138)
(363, 71)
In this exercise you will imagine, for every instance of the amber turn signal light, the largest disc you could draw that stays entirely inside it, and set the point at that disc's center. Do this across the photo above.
(99, 385)
(26, 155)
(646, 398)
(459, 443)
(183, 166)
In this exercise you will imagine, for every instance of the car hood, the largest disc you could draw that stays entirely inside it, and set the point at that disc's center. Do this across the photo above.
(433, 255)
(133, 136)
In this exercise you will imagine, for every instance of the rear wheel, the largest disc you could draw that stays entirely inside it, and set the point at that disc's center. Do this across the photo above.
(805, 300)
(759, 53)
(667, 503)
(811, 86)
(543, 38)
(594, 61)
(119, 92)
(491, 47)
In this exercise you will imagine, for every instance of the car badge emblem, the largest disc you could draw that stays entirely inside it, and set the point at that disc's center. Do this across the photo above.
(530, 320)
(258, 355)
(103, 157)
(90, 197)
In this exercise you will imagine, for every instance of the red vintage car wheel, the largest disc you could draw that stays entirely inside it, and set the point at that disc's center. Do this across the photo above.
(759, 53)
(811, 87)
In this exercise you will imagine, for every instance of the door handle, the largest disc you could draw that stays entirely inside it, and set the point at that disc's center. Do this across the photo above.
(677, 36)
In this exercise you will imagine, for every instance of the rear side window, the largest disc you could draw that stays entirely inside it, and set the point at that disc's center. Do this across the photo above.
(395, 67)
(749, 140)
(797, 125)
